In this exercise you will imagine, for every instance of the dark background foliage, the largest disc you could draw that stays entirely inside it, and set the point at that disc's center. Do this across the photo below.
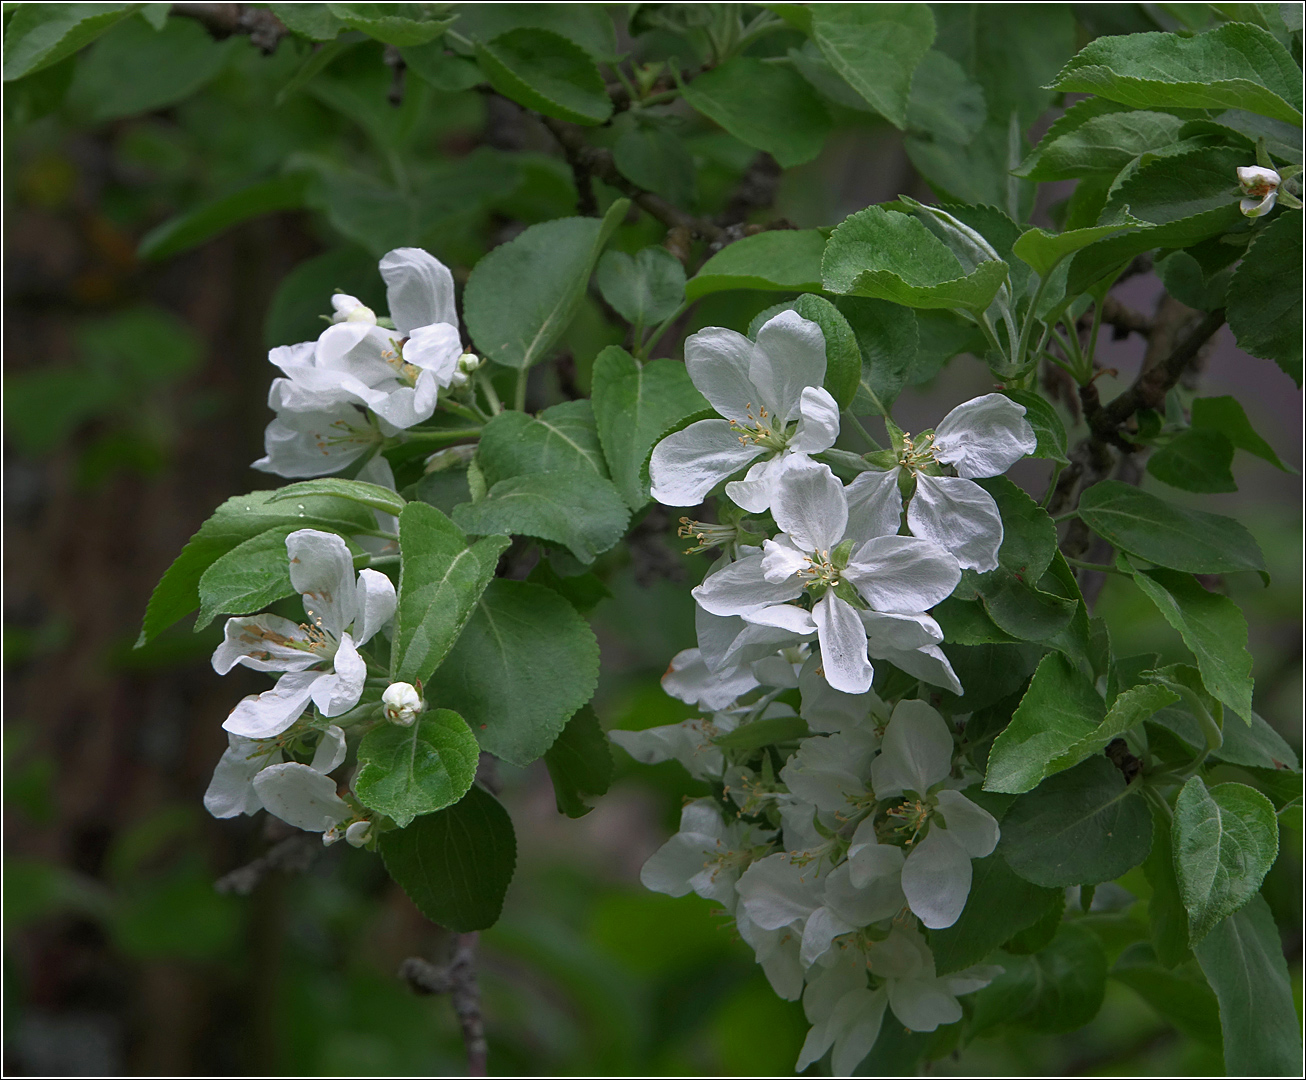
(134, 404)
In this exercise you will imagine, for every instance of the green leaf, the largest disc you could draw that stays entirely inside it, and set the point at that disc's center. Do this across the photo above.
(523, 294)
(892, 256)
(1060, 709)
(247, 578)
(546, 72)
(1225, 841)
(1180, 187)
(944, 102)
(1212, 627)
(441, 580)
(441, 69)
(889, 341)
(373, 495)
(1198, 459)
(999, 907)
(395, 24)
(580, 763)
(1167, 919)
(1265, 295)
(1235, 66)
(525, 662)
(643, 289)
(414, 770)
(1226, 415)
(1080, 827)
(657, 160)
(39, 35)
(1060, 988)
(312, 21)
(1043, 250)
(588, 25)
(1242, 959)
(767, 106)
(1102, 144)
(875, 48)
(455, 864)
(1181, 997)
(759, 733)
(235, 521)
(583, 513)
(562, 438)
(1168, 535)
(584, 592)
(137, 69)
(780, 260)
(634, 406)
(843, 359)
(192, 228)
(1047, 425)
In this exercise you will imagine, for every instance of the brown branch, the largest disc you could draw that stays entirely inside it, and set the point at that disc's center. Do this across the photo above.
(599, 163)
(294, 855)
(265, 30)
(1124, 320)
(457, 979)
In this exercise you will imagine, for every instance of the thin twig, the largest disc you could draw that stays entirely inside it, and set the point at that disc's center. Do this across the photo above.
(294, 855)
(458, 980)
(265, 30)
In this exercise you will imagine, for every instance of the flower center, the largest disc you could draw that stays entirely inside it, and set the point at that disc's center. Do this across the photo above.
(707, 534)
(394, 356)
(762, 429)
(820, 571)
(913, 814)
(914, 457)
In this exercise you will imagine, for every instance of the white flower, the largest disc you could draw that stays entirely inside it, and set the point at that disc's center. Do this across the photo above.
(775, 407)
(780, 891)
(1261, 186)
(231, 791)
(301, 796)
(313, 434)
(358, 834)
(919, 998)
(845, 1013)
(777, 953)
(827, 709)
(706, 856)
(915, 759)
(689, 742)
(403, 704)
(894, 574)
(830, 771)
(981, 437)
(689, 679)
(847, 906)
(342, 611)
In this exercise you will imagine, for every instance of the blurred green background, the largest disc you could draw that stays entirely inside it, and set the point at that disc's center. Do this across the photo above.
(134, 402)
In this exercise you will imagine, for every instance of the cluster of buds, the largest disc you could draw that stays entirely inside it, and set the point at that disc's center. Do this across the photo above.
(468, 364)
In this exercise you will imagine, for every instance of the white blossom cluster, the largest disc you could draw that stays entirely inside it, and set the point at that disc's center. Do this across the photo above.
(841, 828)
(365, 378)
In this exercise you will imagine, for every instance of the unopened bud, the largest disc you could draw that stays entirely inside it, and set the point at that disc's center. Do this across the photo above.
(402, 703)
(1261, 186)
(358, 834)
(351, 309)
(451, 457)
(331, 835)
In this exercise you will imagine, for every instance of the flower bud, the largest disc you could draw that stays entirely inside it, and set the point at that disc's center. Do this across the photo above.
(351, 309)
(358, 834)
(402, 703)
(331, 835)
(1261, 186)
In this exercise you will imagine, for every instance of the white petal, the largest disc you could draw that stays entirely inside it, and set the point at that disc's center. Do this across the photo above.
(777, 953)
(716, 633)
(887, 630)
(819, 933)
(985, 436)
(687, 742)
(419, 290)
(671, 868)
(436, 349)
(271, 712)
(292, 358)
(818, 421)
(322, 571)
(260, 642)
(231, 791)
(781, 560)
(923, 1004)
(827, 709)
(339, 692)
(761, 639)
(830, 771)
(874, 504)
(876, 870)
(862, 1014)
(357, 350)
(971, 979)
(790, 355)
(330, 751)
(756, 491)
(809, 505)
(377, 471)
(687, 464)
(316, 443)
(902, 955)
(689, 680)
(1250, 175)
(902, 573)
(403, 406)
(843, 645)
(936, 879)
(916, 752)
(740, 589)
(301, 797)
(928, 663)
(973, 827)
(958, 515)
(776, 893)
(718, 361)
(862, 906)
(374, 603)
